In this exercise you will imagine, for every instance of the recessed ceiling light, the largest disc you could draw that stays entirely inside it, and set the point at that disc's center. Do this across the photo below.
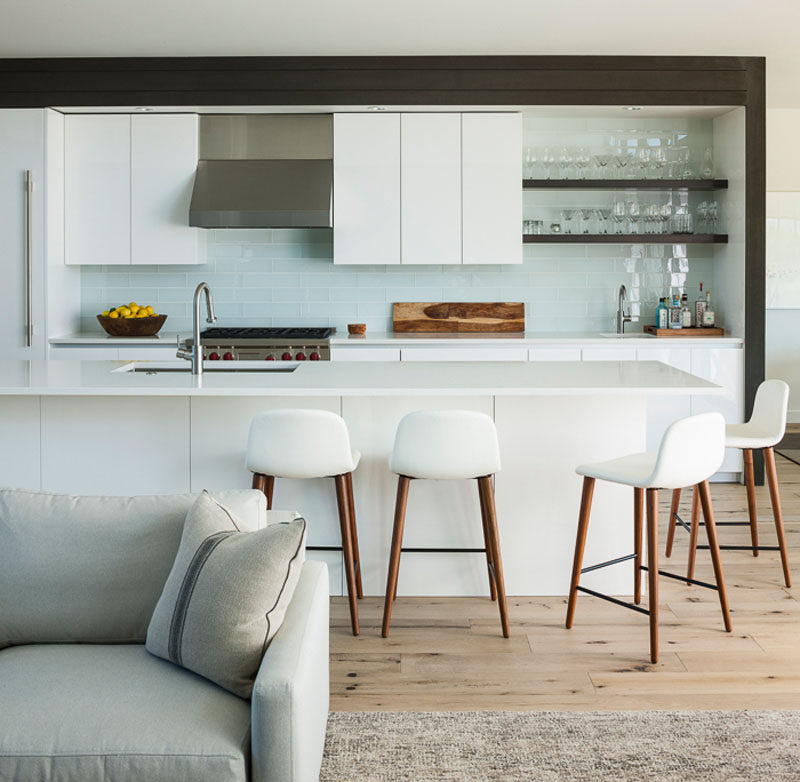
(376, 108)
(143, 108)
(632, 108)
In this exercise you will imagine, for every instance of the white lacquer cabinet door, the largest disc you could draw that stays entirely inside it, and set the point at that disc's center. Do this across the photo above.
(492, 188)
(366, 188)
(663, 410)
(430, 188)
(21, 150)
(97, 189)
(725, 367)
(163, 164)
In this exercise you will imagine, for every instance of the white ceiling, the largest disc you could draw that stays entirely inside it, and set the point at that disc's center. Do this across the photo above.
(115, 28)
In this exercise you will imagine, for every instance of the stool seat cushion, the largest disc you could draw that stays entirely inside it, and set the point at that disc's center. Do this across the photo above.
(746, 436)
(445, 444)
(631, 470)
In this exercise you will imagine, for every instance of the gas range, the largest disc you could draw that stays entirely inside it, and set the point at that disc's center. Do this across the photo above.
(266, 344)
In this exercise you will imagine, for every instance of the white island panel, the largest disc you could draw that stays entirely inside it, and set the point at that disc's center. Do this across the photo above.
(20, 438)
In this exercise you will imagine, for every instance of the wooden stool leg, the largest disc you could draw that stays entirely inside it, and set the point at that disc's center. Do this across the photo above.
(394, 556)
(652, 569)
(354, 533)
(772, 478)
(673, 510)
(487, 543)
(638, 513)
(347, 548)
(750, 485)
(713, 546)
(580, 544)
(487, 486)
(693, 532)
(266, 484)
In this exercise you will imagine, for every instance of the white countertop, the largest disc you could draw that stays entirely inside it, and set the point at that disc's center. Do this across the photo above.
(397, 339)
(344, 378)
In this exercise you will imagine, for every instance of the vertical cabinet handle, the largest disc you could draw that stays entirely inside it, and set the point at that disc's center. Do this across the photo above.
(28, 259)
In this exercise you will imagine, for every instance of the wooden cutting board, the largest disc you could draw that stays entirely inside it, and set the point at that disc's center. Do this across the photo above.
(458, 316)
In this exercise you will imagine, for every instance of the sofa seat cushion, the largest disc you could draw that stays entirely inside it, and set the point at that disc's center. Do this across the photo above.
(115, 712)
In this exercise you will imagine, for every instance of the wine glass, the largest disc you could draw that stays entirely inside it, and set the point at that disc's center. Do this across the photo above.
(602, 220)
(666, 217)
(713, 216)
(634, 215)
(622, 157)
(566, 220)
(601, 160)
(565, 161)
(529, 162)
(658, 160)
(582, 160)
(548, 159)
(619, 214)
(643, 161)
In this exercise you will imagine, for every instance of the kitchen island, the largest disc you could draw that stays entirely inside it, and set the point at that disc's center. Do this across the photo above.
(99, 428)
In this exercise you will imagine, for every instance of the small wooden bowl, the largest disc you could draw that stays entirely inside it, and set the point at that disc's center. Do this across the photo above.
(132, 327)
(357, 328)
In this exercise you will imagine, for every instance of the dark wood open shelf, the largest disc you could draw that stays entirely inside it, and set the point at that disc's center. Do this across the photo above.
(625, 238)
(625, 184)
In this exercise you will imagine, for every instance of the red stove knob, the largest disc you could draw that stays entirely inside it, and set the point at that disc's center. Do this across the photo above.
(300, 356)
(213, 356)
(314, 357)
(269, 357)
(286, 357)
(227, 356)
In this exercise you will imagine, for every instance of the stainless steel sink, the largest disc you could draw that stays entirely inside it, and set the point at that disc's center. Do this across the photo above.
(184, 368)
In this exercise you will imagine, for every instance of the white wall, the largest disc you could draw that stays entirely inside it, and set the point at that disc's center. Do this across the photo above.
(783, 324)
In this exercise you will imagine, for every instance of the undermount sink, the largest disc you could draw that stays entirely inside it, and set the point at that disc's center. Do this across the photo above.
(633, 335)
(184, 367)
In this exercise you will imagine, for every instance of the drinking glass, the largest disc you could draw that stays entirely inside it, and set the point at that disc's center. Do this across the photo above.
(643, 161)
(713, 216)
(601, 159)
(622, 157)
(634, 215)
(565, 161)
(602, 216)
(548, 159)
(582, 160)
(666, 218)
(529, 162)
(702, 217)
(566, 216)
(653, 217)
(658, 161)
(584, 217)
(619, 214)
(707, 169)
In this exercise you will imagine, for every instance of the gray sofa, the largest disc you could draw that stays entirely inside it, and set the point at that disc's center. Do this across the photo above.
(81, 699)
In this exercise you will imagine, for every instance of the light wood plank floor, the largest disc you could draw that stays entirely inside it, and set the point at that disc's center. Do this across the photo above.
(448, 654)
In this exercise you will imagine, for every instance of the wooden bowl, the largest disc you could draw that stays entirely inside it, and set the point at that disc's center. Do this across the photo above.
(356, 328)
(132, 327)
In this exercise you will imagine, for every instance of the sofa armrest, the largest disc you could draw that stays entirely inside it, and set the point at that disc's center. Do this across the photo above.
(291, 692)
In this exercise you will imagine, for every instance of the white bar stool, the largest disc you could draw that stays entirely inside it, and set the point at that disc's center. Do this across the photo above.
(765, 429)
(447, 445)
(690, 452)
(310, 444)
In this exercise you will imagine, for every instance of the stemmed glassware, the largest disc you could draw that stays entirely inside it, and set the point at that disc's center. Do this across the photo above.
(622, 157)
(601, 159)
(565, 161)
(582, 159)
(548, 159)
(619, 213)
(634, 215)
(566, 216)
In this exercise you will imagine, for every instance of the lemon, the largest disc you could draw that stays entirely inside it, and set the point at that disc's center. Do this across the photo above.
(132, 305)
(149, 309)
(113, 314)
(104, 313)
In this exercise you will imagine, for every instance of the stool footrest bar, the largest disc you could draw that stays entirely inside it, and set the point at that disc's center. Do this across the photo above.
(323, 548)
(632, 606)
(444, 550)
(608, 563)
(745, 548)
(685, 579)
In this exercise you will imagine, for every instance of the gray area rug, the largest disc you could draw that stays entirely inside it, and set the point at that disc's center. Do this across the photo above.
(707, 746)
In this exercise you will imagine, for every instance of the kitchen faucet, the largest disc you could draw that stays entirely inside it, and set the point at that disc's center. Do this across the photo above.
(195, 355)
(622, 318)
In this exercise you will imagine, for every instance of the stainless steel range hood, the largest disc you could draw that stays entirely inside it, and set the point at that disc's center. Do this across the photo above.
(264, 171)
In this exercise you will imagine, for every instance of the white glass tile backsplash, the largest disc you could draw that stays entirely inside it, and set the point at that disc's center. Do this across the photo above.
(287, 277)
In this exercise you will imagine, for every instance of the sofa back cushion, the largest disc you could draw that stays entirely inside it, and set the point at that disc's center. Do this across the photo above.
(91, 569)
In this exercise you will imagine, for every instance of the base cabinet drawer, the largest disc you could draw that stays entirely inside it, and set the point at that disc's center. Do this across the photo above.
(554, 354)
(365, 354)
(464, 354)
(70, 353)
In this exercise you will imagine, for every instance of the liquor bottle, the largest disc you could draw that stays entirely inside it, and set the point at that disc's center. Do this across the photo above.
(699, 308)
(686, 313)
(675, 314)
(662, 319)
(709, 318)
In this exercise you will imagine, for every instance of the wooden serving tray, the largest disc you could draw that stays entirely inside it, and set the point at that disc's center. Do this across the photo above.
(443, 317)
(694, 331)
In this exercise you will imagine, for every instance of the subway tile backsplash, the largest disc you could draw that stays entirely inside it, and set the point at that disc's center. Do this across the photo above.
(287, 277)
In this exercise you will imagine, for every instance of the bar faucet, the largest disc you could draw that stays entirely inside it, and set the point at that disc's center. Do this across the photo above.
(622, 318)
(195, 355)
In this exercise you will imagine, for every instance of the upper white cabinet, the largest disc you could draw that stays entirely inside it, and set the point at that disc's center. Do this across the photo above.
(97, 189)
(430, 188)
(366, 188)
(127, 187)
(163, 165)
(22, 238)
(427, 188)
(491, 192)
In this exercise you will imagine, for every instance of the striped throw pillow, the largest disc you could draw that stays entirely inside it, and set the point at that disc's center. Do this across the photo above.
(226, 595)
